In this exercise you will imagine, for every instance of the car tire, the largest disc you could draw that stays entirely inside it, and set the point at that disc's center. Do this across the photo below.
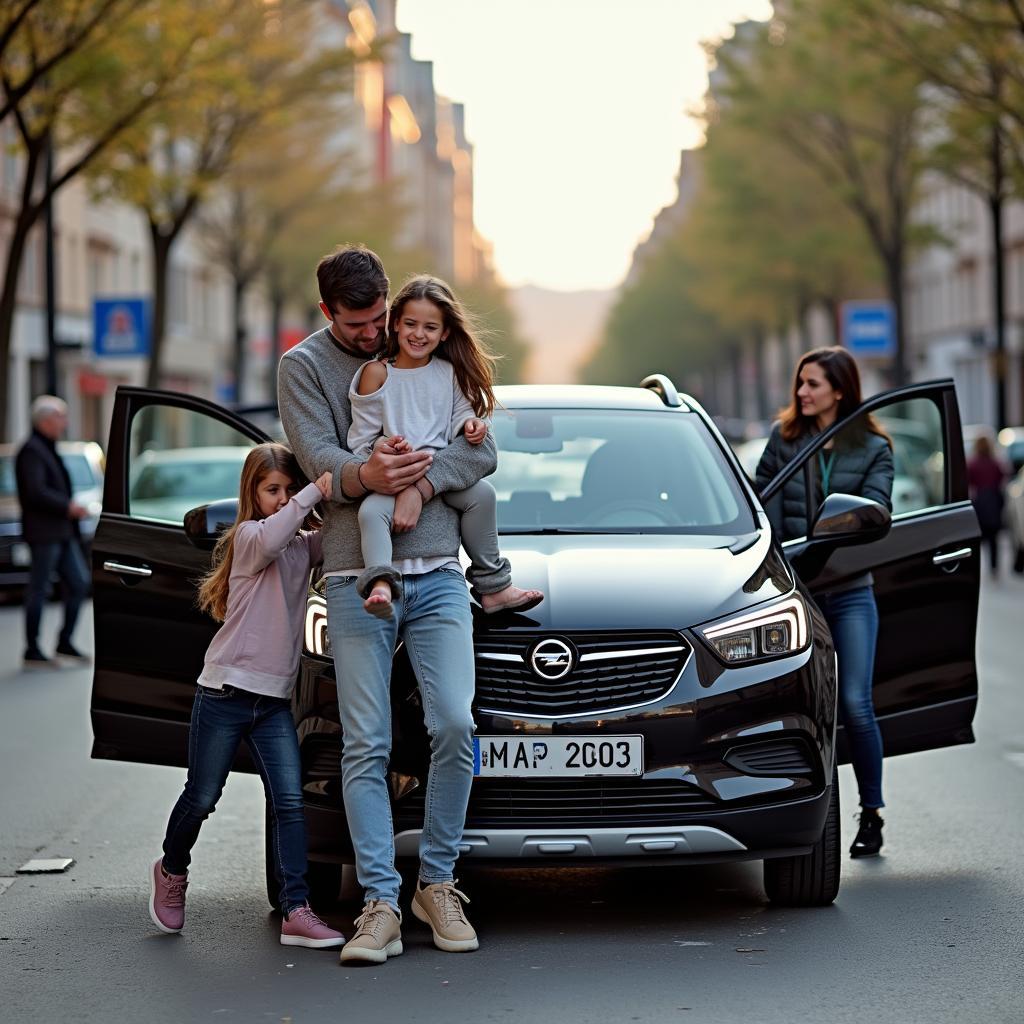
(811, 880)
(1018, 559)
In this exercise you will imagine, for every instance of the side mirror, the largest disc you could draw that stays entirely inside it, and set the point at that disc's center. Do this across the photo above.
(205, 524)
(845, 519)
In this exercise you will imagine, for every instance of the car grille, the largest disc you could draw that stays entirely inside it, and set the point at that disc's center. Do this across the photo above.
(608, 672)
(556, 803)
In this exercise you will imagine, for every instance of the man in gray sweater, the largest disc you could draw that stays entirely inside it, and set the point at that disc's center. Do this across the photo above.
(432, 615)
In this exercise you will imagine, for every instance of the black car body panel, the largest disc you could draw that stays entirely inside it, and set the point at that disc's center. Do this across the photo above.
(746, 751)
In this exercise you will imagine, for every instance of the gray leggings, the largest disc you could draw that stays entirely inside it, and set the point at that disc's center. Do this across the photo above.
(478, 507)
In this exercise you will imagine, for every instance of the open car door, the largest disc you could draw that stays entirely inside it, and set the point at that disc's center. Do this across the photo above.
(926, 570)
(167, 453)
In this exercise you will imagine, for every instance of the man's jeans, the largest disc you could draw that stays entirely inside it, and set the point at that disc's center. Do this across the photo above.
(852, 617)
(221, 720)
(434, 620)
(64, 557)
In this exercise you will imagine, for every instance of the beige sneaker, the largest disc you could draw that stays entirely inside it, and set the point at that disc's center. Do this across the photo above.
(378, 935)
(440, 906)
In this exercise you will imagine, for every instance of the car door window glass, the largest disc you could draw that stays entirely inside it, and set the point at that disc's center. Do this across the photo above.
(914, 428)
(179, 459)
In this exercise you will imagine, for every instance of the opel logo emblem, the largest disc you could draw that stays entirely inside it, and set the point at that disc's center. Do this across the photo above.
(551, 659)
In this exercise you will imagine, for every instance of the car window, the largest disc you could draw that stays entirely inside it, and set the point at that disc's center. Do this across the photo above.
(914, 429)
(613, 471)
(8, 484)
(180, 459)
(82, 477)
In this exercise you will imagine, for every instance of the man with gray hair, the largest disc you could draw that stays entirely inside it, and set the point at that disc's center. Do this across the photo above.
(49, 524)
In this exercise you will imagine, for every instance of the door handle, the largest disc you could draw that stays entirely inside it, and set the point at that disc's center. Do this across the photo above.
(127, 570)
(951, 556)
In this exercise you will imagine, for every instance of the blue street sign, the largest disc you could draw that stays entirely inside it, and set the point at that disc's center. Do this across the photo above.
(120, 327)
(868, 328)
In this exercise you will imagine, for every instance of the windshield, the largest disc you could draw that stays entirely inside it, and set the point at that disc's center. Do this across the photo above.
(613, 471)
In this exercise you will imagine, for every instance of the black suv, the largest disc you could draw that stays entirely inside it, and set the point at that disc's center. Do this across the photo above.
(673, 700)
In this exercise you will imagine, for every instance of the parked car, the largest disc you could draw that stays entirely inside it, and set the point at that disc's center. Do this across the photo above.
(1015, 518)
(84, 463)
(165, 484)
(672, 700)
(1011, 440)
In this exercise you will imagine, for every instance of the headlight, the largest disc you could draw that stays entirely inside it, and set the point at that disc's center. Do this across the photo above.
(316, 638)
(770, 632)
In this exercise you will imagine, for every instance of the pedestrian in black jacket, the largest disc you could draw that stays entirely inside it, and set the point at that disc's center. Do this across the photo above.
(857, 461)
(49, 524)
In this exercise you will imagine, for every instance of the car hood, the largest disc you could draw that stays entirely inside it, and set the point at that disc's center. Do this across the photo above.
(641, 582)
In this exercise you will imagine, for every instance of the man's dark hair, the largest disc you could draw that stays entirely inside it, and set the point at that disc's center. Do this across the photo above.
(352, 276)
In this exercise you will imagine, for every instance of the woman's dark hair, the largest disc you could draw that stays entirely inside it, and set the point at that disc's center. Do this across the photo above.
(840, 369)
(352, 276)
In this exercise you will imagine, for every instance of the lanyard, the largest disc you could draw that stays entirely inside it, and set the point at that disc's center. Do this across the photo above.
(826, 471)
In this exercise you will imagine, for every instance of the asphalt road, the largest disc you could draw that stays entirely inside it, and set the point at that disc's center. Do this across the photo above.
(930, 932)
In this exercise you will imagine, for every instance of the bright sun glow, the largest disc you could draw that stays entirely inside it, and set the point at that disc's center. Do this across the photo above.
(578, 110)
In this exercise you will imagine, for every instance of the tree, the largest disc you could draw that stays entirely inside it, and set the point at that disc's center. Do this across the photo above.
(262, 62)
(76, 77)
(852, 114)
(971, 58)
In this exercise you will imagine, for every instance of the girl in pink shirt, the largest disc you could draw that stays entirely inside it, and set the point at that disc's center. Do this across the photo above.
(257, 588)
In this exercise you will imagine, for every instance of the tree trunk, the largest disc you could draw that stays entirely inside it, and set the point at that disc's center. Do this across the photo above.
(240, 284)
(737, 380)
(894, 282)
(276, 317)
(995, 208)
(28, 214)
(158, 325)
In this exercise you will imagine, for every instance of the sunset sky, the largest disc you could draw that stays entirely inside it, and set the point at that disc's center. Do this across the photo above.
(578, 111)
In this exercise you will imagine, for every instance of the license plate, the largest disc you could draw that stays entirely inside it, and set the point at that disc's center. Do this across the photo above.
(21, 555)
(526, 756)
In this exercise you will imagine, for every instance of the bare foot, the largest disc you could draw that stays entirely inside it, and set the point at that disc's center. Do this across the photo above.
(511, 599)
(378, 601)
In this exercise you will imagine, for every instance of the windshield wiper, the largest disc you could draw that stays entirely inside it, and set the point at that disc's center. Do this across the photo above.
(554, 530)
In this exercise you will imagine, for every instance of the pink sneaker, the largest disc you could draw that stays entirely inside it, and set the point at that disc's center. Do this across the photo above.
(303, 928)
(167, 898)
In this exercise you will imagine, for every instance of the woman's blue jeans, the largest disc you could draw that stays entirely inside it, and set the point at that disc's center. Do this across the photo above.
(434, 619)
(221, 720)
(852, 617)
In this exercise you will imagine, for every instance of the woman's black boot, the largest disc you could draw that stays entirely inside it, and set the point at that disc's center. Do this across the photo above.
(869, 836)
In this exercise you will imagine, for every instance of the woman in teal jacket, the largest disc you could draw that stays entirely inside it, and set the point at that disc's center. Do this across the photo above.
(858, 461)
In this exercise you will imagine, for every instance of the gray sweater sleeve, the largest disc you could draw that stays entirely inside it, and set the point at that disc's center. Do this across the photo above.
(462, 464)
(309, 425)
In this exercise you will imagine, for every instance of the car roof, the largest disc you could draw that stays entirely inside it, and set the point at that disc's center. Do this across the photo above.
(582, 396)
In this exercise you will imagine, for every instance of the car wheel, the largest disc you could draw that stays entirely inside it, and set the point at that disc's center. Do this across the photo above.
(1018, 559)
(811, 880)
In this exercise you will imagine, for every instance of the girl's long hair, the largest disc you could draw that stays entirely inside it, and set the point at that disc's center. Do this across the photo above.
(463, 348)
(259, 464)
(840, 369)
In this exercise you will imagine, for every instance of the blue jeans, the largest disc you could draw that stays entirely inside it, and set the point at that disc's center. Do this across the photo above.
(221, 719)
(434, 620)
(853, 620)
(66, 559)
